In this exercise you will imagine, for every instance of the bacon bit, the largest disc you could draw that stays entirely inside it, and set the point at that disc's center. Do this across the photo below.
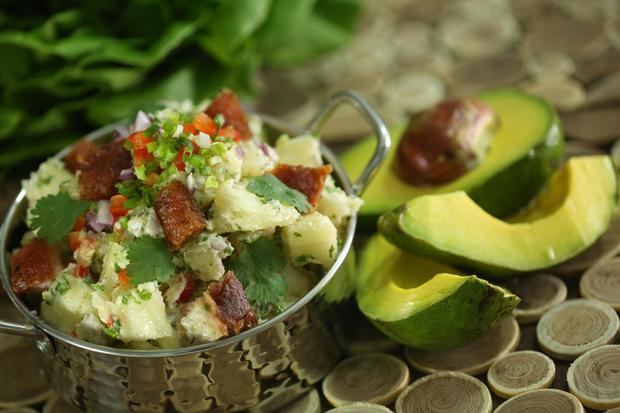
(180, 217)
(81, 271)
(80, 223)
(234, 309)
(190, 287)
(227, 104)
(309, 181)
(97, 179)
(123, 278)
(77, 159)
(74, 240)
(34, 266)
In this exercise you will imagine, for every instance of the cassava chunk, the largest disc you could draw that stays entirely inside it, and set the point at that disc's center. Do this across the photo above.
(307, 180)
(34, 266)
(180, 217)
(77, 159)
(101, 171)
(234, 308)
(227, 104)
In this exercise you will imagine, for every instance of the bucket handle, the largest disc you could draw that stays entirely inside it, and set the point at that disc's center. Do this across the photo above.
(382, 135)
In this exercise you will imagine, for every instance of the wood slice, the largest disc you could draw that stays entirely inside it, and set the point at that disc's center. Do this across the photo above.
(595, 378)
(519, 372)
(539, 293)
(360, 408)
(308, 403)
(545, 400)
(602, 282)
(607, 246)
(371, 378)
(473, 358)
(448, 392)
(596, 126)
(576, 326)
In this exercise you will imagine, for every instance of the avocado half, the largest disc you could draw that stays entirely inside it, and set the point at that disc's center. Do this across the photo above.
(523, 154)
(423, 303)
(573, 210)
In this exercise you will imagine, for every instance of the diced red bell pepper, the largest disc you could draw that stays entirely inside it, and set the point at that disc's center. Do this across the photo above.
(74, 240)
(139, 140)
(205, 124)
(80, 223)
(123, 278)
(179, 162)
(229, 132)
(190, 286)
(81, 271)
(190, 128)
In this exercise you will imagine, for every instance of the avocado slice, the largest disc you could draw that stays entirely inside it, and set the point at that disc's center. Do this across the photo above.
(523, 154)
(570, 214)
(423, 303)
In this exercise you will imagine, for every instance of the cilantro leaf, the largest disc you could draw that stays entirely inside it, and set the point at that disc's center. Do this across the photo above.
(270, 187)
(54, 216)
(149, 260)
(259, 267)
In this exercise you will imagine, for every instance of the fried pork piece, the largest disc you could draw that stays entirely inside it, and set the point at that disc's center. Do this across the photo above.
(34, 266)
(233, 306)
(77, 159)
(101, 169)
(178, 214)
(227, 104)
(309, 181)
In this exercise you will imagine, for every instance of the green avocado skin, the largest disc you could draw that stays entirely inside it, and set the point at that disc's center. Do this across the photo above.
(514, 187)
(457, 319)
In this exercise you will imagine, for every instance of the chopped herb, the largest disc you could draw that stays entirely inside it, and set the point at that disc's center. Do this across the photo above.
(297, 234)
(98, 286)
(154, 343)
(136, 296)
(332, 250)
(54, 215)
(114, 330)
(270, 187)
(149, 260)
(219, 120)
(259, 267)
(304, 258)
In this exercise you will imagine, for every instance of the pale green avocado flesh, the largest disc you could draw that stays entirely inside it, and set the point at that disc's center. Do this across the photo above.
(423, 303)
(572, 211)
(523, 154)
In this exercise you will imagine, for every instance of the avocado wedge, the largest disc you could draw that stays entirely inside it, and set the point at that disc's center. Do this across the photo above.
(423, 303)
(523, 154)
(569, 215)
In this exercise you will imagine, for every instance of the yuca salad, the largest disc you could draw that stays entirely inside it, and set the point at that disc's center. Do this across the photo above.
(187, 228)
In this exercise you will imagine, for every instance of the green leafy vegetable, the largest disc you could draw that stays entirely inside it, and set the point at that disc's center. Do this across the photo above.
(149, 260)
(69, 67)
(270, 187)
(259, 267)
(54, 216)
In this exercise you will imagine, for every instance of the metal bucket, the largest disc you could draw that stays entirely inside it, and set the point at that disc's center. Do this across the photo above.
(257, 370)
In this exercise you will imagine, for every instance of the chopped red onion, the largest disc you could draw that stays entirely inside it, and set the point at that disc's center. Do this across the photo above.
(142, 122)
(203, 140)
(122, 132)
(217, 243)
(103, 213)
(91, 219)
(191, 183)
(263, 147)
(239, 152)
(126, 174)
